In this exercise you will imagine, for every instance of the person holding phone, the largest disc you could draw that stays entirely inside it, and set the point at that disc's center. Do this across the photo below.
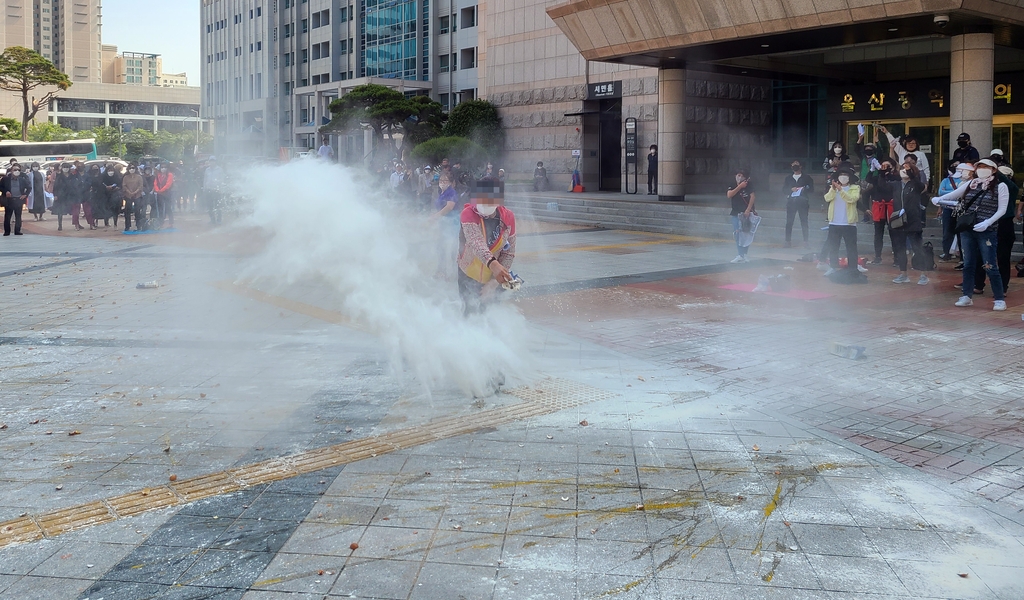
(742, 197)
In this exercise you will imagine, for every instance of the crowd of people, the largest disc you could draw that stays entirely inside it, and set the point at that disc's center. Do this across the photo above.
(146, 194)
(978, 198)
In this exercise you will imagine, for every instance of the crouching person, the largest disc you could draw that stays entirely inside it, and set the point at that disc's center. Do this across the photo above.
(487, 246)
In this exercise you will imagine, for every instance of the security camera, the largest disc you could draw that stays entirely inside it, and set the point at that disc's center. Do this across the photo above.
(941, 20)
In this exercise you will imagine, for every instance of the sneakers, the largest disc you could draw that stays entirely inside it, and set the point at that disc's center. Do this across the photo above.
(746, 258)
(829, 272)
(922, 280)
(823, 266)
(736, 260)
(999, 305)
(945, 257)
(861, 269)
(877, 260)
(901, 279)
(966, 301)
(959, 267)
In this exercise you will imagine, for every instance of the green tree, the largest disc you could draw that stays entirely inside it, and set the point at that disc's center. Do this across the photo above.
(477, 120)
(108, 141)
(378, 106)
(23, 70)
(50, 132)
(425, 123)
(13, 129)
(457, 149)
(138, 142)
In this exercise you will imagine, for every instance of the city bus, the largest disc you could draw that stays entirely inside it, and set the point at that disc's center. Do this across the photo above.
(46, 152)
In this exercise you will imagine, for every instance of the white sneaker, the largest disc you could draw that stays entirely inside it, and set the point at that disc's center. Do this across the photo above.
(823, 266)
(862, 269)
(901, 279)
(922, 280)
(999, 305)
(966, 301)
(746, 258)
(829, 272)
(738, 259)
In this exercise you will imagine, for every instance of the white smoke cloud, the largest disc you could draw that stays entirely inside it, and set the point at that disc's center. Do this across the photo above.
(381, 260)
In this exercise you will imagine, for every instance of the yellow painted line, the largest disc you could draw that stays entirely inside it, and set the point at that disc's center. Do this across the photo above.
(330, 316)
(546, 397)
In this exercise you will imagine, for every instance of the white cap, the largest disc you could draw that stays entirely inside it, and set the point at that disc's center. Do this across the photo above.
(997, 151)
(1006, 170)
(987, 162)
(965, 166)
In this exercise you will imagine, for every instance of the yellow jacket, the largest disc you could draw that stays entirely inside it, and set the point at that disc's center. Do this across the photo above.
(850, 195)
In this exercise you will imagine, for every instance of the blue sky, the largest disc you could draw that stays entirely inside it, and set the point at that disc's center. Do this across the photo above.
(169, 28)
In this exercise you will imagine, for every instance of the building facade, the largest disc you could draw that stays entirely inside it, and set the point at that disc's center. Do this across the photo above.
(67, 32)
(271, 68)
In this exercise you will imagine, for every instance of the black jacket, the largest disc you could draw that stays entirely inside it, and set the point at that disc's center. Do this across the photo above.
(908, 197)
(5, 185)
(804, 181)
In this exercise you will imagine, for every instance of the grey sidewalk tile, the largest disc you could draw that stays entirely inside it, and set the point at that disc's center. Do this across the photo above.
(56, 588)
(226, 569)
(305, 573)
(458, 547)
(539, 552)
(323, 539)
(21, 559)
(474, 517)
(82, 560)
(339, 510)
(409, 513)
(556, 523)
(834, 540)
(849, 574)
(1006, 582)
(538, 584)
(437, 581)
(904, 544)
(190, 531)
(941, 579)
(370, 578)
(153, 564)
(398, 543)
(255, 535)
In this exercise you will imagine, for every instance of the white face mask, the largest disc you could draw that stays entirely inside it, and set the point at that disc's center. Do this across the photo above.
(904, 174)
(983, 173)
(15, 173)
(739, 179)
(486, 210)
(844, 179)
(838, 150)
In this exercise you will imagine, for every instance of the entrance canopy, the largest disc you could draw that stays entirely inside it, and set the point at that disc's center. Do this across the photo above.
(791, 39)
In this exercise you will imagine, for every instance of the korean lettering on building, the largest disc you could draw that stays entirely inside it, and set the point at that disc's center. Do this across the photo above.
(611, 89)
(911, 99)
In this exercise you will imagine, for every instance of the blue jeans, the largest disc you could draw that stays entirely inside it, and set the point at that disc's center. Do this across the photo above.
(981, 245)
(740, 250)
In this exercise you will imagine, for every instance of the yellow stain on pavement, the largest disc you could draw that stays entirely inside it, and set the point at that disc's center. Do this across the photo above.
(773, 503)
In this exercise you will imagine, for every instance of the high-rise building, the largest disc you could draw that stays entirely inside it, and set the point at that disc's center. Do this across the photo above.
(272, 67)
(67, 32)
(108, 89)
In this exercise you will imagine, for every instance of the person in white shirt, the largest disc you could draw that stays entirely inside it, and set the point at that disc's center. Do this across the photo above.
(325, 152)
(900, 147)
(396, 177)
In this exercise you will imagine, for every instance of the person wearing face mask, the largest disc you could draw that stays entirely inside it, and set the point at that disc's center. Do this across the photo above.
(985, 198)
(96, 197)
(742, 197)
(37, 194)
(868, 164)
(842, 197)
(797, 190)
(149, 200)
(15, 188)
(65, 196)
(1005, 233)
(163, 185)
(835, 157)
(908, 145)
(907, 205)
(487, 245)
(112, 190)
(132, 186)
(965, 152)
(949, 183)
(884, 184)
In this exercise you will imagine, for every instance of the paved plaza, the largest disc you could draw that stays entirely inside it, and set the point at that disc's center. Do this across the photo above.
(669, 434)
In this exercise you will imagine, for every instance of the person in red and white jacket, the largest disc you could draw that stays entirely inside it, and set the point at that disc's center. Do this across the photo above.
(487, 245)
(163, 185)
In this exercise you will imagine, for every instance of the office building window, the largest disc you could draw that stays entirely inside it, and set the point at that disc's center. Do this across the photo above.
(305, 56)
(443, 65)
(343, 47)
(442, 24)
(259, 46)
(259, 11)
(468, 58)
(343, 14)
(389, 47)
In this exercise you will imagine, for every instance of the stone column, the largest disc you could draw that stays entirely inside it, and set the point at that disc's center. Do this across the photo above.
(671, 132)
(970, 90)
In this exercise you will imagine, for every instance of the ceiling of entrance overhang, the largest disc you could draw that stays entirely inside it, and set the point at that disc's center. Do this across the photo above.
(775, 37)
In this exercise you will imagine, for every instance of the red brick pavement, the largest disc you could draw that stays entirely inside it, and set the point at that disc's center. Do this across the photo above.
(940, 389)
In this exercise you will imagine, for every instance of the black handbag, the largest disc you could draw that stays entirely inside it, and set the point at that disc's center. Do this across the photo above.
(965, 218)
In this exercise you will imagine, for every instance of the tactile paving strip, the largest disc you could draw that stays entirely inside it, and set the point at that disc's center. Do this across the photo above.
(546, 397)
